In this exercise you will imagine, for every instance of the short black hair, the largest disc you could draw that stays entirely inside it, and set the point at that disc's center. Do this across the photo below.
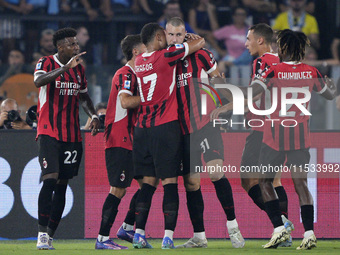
(176, 22)
(149, 31)
(63, 33)
(128, 44)
(292, 44)
(263, 30)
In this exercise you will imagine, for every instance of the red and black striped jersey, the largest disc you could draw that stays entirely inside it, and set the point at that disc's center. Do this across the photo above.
(260, 65)
(119, 122)
(287, 131)
(191, 75)
(156, 76)
(58, 104)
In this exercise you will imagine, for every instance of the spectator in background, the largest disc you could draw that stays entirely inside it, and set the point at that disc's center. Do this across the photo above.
(172, 9)
(234, 37)
(11, 28)
(99, 40)
(46, 42)
(16, 61)
(202, 18)
(10, 116)
(261, 11)
(152, 7)
(83, 37)
(310, 6)
(296, 19)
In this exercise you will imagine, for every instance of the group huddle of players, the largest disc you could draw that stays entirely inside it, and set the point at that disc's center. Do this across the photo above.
(154, 130)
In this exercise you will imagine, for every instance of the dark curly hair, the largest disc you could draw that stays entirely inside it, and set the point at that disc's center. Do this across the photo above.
(149, 31)
(128, 44)
(292, 44)
(63, 33)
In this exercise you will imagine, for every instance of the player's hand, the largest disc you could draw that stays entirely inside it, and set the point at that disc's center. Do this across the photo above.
(94, 126)
(218, 79)
(190, 37)
(330, 84)
(3, 117)
(225, 108)
(75, 60)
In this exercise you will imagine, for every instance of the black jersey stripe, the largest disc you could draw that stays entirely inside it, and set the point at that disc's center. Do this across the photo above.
(281, 138)
(180, 100)
(140, 112)
(172, 63)
(291, 138)
(153, 115)
(273, 132)
(108, 133)
(302, 135)
(120, 81)
(204, 62)
(145, 117)
(163, 107)
(174, 53)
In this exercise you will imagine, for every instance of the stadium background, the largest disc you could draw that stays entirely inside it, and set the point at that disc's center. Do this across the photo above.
(20, 185)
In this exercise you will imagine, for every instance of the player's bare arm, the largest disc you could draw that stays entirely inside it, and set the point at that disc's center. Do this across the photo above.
(88, 107)
(129, 102)
(195, 45)
(41, 79)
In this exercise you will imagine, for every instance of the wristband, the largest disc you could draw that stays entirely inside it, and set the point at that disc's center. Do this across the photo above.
(94, 117)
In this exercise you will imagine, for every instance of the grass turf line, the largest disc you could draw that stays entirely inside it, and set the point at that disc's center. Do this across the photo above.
(215, 246)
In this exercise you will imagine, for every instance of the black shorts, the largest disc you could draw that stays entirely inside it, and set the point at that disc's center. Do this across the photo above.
(119, 166)
(207, 141)
(251, 155)
(273, 158)
(157, 150)
(59, 157)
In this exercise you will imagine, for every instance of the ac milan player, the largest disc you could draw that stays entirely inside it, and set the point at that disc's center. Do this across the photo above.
(119, 124)
(286, 134)
(258, 43)
(157, 137)
(204, 139)
(62, 84)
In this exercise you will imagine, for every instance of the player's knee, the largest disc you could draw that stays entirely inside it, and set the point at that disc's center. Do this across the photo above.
(118, 192)
(216, 176)
(248, 183)
(300, 185)
(277, 182)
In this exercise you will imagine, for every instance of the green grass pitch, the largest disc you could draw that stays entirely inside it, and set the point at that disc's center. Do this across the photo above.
(215, 246)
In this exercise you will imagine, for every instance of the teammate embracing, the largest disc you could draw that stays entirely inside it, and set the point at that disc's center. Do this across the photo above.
(119, 125)
(157, 137)
(200, 137)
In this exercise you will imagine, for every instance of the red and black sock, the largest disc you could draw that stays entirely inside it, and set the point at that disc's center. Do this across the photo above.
(143, 204)
(225, 195)
(283, 200)
(170, 206)
(196, 208)
(109, 213)
(256, 196)
(45, 203)
(130, 216)
(307, 215)
(273, 212)
(58, 205)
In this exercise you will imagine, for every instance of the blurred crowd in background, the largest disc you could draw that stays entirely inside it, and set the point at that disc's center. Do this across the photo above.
(27, 27)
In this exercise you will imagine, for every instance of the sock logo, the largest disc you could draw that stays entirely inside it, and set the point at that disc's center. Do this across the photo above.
(44, 163)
